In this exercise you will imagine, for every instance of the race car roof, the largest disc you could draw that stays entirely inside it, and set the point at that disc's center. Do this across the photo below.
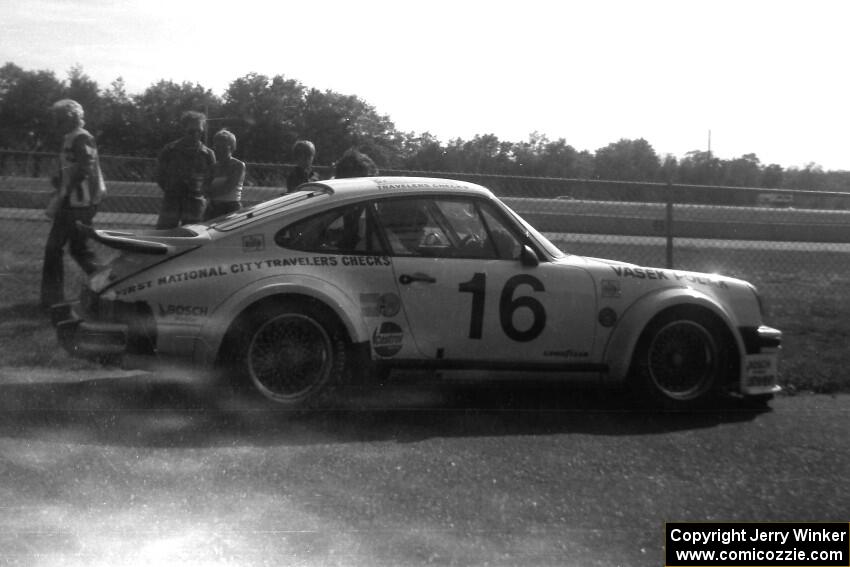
(365, 186)
(342, 190)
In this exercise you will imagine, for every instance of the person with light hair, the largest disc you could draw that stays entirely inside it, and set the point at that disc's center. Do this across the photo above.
(184, 173)
(225, 190)
(78, 190)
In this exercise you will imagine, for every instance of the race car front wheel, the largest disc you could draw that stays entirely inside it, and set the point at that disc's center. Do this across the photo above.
(682, 360)
(291, 354)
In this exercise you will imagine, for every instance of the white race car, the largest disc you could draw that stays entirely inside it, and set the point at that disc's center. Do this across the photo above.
(354, 277)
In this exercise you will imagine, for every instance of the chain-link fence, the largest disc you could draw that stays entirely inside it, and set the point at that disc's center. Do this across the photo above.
(792, 244)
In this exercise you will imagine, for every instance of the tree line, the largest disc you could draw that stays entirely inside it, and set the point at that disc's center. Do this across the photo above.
(268, 114)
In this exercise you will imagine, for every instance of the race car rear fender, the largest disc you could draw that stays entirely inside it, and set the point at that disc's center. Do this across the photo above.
(623, 340)
(333, 298)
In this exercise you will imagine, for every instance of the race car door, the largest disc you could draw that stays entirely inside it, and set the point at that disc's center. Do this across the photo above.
(340, 249)
(468, 297)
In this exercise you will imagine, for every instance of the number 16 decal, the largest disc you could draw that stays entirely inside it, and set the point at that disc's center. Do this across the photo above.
(507, 306)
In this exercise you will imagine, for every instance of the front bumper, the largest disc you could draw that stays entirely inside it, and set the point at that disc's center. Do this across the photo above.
(760, 372)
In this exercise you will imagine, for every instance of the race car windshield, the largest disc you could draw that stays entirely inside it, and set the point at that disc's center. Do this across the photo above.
(262, 210)
(541, 240)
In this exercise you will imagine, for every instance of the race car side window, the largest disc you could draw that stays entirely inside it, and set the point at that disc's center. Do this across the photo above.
(466, 228)
(410, 228)
(477, 231)
(508, 246)
(452, 227)
(345, 230)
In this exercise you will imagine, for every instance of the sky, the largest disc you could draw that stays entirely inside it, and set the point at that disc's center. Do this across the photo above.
(736, 77)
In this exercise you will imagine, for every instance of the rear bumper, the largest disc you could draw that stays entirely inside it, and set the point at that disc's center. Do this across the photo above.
(87, 339)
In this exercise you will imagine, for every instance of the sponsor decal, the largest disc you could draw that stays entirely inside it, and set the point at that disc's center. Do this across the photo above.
(253, 243)
(200, 273)
(566, 353)
(133, 288)
(389, 305)
(379, 304)
(640, 273)
(301, 261)
(760, 371)
(387, 339)
(389, 183)
(610, 288)
(182, 311)
(656, 274)
(758, 365)
(331, 261)
(258, 265)
(366, 261)
(607, 317)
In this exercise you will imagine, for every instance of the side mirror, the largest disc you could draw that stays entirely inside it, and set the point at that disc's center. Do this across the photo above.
(528, 257)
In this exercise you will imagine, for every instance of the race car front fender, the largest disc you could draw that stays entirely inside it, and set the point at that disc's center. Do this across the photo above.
(623, 340)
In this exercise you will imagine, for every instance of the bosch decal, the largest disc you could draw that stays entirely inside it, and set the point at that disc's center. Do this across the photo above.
(183, 311)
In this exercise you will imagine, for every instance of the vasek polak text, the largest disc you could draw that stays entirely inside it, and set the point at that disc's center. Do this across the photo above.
(656, 274)
(726, 536)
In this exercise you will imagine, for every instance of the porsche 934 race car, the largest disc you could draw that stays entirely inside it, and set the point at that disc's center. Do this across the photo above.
(290, 297)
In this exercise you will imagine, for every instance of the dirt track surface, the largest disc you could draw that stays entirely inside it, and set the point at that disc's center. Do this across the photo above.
(126, 468)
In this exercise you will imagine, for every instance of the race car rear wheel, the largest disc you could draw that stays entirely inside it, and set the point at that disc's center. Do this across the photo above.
(292, 354)
(682, 360)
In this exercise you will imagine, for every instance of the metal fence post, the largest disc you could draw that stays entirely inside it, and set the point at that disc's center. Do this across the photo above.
(668, 223)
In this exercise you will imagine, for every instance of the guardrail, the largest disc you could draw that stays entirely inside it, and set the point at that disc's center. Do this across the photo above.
(801, 251)
(577, 216)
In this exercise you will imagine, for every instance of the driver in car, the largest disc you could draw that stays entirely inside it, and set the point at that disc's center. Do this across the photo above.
(405, 222)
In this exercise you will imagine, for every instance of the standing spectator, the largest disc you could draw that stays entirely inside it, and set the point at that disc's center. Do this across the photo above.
(225, 191)
(355, 164)
(303, 152)
(79, 189)
(184, 173)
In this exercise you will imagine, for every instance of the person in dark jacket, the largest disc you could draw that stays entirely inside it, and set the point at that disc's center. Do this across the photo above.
(303, 152)
(355, 164)
(79, 188)
(184, 173)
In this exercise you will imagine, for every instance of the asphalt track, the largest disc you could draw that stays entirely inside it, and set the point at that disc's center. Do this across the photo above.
(131, 469)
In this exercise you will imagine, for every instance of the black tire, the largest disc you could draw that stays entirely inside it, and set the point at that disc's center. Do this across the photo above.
(682, 361)
(290, 354)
